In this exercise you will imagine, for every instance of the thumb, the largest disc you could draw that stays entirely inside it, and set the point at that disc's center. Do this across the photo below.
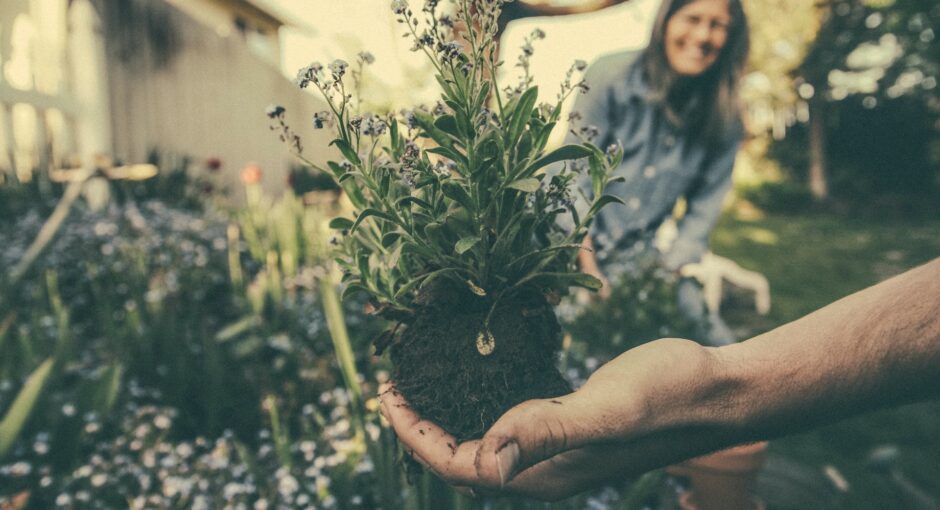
(527, 434)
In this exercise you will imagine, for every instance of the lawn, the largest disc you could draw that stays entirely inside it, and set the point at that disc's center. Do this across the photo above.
(812, 260)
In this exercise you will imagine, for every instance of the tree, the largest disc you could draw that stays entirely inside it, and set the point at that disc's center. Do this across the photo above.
(873, 51)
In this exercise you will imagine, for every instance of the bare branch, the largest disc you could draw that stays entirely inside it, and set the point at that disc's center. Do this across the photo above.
(529, 8)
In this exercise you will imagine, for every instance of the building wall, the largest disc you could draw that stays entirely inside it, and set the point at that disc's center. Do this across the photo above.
(204, 97)
(36, 107)
(237, 18)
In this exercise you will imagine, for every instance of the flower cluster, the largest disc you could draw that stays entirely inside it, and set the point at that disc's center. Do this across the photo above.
(140, 465)
(285, 134)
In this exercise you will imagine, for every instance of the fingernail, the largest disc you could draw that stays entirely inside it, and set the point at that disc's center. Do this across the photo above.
(506, 459)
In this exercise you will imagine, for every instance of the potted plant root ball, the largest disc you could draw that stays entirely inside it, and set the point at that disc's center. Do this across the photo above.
(456, 234)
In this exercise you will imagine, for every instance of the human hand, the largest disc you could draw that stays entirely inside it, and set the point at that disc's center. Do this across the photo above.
(553, 448)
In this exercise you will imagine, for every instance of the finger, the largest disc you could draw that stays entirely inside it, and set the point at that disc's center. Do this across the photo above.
(526, 435)
(437, 449)
(572, 472)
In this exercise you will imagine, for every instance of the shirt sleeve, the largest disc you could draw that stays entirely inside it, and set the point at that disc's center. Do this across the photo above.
(704, 207)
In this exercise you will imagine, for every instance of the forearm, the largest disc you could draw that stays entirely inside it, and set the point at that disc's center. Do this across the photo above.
(875, 348)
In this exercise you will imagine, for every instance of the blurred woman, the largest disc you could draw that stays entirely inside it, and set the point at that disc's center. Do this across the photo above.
(673, 107)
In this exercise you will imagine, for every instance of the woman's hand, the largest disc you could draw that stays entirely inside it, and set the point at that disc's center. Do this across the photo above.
(552, 448)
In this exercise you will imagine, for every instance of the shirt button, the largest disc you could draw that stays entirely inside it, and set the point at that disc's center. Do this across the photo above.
(649, 171)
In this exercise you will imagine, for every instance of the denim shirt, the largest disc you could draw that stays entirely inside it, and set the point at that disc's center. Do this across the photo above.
(661, 163)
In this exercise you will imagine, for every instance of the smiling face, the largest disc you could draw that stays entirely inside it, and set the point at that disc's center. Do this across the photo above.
(695, 35)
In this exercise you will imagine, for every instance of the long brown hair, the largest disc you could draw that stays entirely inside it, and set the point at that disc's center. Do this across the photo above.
(708, 104)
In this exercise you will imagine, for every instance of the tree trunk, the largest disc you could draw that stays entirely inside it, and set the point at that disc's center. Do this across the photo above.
(818, 180)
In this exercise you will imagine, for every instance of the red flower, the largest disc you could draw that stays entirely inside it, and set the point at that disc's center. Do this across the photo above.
(214, 164)
(251, 174)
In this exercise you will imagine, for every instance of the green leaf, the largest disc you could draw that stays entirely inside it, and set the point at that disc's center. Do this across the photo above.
(22, 406)
(347, 151)
(390, 238)
(563, 153)
(601, 202)
(545, 251)
(340, 223)
(404, 202)
(108, 388)
(447, 124)
(451, 154)
(351, 289)
(426, 123)
(349, 175)
(362, 263)
(338, 170)
(436, 235)
(238, 327)
(393, 135)
(563, 280)
(482, 95)
(422, 280)
(394, 256)
(465, 244)
(446, 85)
(370, 212)
(529, 185)
(411, 247)
(458, 193)
(521, 114)
(542, 137)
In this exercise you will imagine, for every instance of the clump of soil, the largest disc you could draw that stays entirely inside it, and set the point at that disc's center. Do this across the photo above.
(445, 378)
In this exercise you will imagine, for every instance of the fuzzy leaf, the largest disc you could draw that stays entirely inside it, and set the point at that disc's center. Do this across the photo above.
(465, 244)
(347, 151)
(563, 153)
(601, 202)
(426, 122)
(563, 280)
(447, 124)
(529, 185)
(351, 289)
(422, 280)
(457, 193)
(340, 223)
(393, 136)
(394, 256)
(482, 95)
(338, 170)
(545, 251)
(390, 238)
(370, 212)
(521, 114)
(450, 154)
(404, 202)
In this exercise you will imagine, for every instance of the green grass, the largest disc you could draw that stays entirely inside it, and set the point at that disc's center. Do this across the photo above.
(812, 260)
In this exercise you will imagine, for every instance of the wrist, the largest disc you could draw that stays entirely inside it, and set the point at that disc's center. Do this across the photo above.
(707, 399)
